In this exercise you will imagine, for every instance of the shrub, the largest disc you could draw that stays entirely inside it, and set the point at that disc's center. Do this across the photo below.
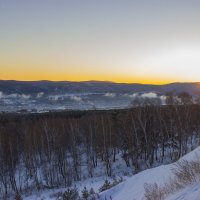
(85, 193)
(185, 173)
(107, 185)
(153, 192)
(92, 191)
(18, 196)
(70, 194)
(93, 195)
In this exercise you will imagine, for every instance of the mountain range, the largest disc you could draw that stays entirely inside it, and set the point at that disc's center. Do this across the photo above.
(52, 87)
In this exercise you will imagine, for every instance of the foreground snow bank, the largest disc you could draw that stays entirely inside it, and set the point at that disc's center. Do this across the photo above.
(133, 188)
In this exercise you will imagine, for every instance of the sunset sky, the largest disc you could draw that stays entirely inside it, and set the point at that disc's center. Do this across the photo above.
(145, 41)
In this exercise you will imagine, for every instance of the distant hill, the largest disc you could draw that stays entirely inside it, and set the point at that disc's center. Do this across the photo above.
(51, 87)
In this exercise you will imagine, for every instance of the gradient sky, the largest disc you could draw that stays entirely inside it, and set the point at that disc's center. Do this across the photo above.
(147, 41)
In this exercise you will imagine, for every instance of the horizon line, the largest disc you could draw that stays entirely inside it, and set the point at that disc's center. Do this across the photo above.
(105, 81)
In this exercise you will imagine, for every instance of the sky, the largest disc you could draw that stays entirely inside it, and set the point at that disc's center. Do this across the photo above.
(144, 41)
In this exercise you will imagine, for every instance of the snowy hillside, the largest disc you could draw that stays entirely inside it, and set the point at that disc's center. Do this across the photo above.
(133, 188)
(190, 193)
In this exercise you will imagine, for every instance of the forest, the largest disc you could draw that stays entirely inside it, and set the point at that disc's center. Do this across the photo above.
(52, 150)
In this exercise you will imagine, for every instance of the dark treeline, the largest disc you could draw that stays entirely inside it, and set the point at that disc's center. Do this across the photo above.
(50, 150)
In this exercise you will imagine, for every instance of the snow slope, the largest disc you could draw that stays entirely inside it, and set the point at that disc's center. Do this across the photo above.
(133, 188)
(192, 192)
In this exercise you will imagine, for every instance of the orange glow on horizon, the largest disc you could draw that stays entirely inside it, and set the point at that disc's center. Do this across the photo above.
(50, 73)
(79, 78)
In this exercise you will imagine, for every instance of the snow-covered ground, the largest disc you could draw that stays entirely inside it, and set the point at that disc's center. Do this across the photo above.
(132, 188)
(192, 192)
